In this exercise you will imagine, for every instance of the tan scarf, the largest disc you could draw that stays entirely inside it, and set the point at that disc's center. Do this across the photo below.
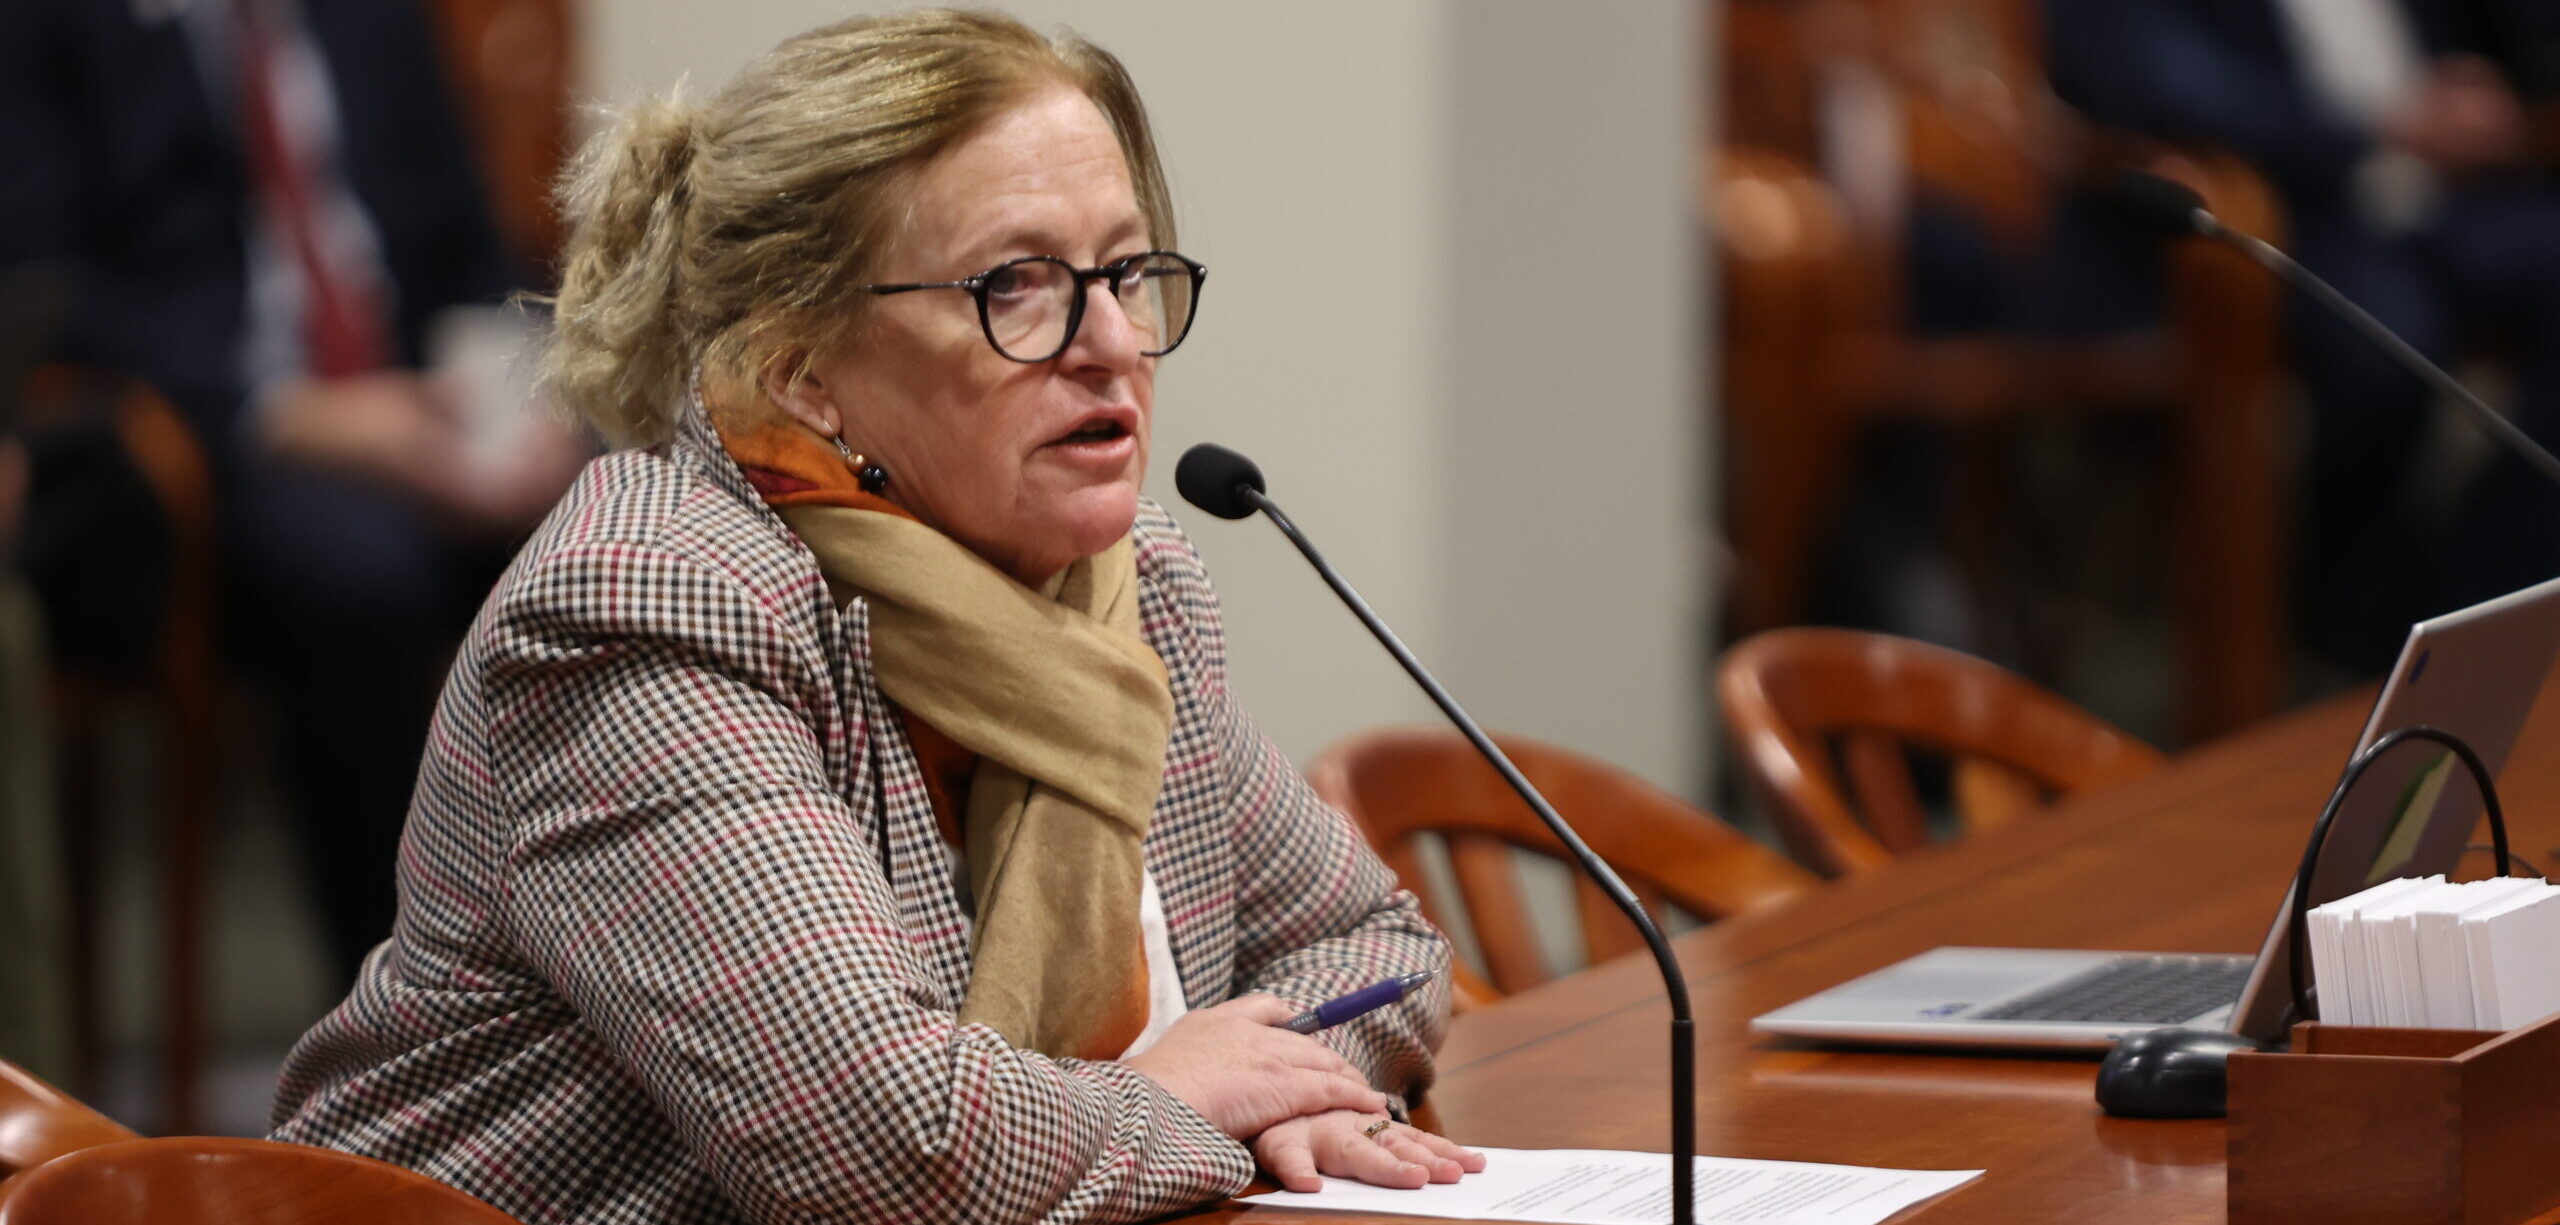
(1069, 711)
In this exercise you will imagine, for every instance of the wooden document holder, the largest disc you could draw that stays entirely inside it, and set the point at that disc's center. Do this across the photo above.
(2397, 1127)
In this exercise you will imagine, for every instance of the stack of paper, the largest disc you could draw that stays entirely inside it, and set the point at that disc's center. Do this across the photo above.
(1609, 1187)
(2425, 954)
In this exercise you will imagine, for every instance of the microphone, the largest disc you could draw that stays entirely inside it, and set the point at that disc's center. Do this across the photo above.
(2157, 203)
(1229, 486)
(2172, 209)
(1215, 479)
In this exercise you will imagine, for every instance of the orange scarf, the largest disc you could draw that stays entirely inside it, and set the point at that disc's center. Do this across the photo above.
(789, 467)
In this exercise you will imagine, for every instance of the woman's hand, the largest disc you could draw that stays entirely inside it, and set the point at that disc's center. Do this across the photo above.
(393, 428)
(408, 432)
(1233, 1064)
(1339, 1143)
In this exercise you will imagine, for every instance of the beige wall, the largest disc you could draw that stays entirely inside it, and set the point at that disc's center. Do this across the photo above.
(1451, 312)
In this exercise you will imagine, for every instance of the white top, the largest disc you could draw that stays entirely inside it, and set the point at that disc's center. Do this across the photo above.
(2364, 64)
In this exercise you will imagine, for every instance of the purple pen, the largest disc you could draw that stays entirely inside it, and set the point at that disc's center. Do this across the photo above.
(1359, 1003)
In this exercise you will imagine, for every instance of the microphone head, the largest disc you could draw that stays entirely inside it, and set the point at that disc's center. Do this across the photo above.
(2161, 205)
(1214, 479)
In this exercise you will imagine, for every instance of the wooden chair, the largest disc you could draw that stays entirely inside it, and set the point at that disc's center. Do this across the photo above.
(1401, 784)
(511, 63)
(1789, 694)
(1814, 346)
(184, 1180)
(39, 1122)
(180, 677)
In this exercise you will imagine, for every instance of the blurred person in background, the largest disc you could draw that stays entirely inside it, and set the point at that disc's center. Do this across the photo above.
(265, 208)
(2399, 134)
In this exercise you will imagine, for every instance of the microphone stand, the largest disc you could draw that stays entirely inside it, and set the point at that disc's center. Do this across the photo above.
(2312, 286)
(1684, 1047)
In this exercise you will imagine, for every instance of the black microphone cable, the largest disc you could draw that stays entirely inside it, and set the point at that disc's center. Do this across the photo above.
(2305, 1003)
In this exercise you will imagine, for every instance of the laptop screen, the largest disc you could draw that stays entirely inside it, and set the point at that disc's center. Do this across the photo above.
(2474, 673)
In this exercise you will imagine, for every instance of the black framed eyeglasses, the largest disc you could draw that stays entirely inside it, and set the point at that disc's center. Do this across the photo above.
(1030, 307)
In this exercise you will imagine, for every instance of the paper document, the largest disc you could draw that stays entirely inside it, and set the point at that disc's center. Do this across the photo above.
(1605, 1187)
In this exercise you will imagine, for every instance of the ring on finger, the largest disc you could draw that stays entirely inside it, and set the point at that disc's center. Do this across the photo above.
(1372, 1130)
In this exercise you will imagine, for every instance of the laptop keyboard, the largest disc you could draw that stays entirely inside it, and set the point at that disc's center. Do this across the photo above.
(2138, 990)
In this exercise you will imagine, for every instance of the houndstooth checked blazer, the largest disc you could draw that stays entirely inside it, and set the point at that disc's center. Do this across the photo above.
(678, 939)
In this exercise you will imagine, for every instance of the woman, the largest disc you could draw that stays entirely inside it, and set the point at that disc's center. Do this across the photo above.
(838, 810)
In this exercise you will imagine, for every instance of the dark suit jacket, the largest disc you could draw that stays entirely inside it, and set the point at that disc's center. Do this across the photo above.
(124, 167)
(2223, 72)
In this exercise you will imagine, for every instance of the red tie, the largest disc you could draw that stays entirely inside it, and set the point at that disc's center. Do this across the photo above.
(342, 318)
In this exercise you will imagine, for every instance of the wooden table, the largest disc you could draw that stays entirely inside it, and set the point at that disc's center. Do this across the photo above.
(2193, 858)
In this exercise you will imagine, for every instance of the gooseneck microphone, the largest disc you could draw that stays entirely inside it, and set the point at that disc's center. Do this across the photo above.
(1229, 486)
(2172, 208)
(1224, 484)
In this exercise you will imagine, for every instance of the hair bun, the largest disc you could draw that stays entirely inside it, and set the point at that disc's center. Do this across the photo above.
(616, 331)
(653, 141)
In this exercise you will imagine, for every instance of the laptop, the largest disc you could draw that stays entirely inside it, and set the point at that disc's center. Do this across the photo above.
(2474, 673)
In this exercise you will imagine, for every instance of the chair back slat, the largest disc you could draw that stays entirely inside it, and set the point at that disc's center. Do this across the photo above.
(1402, 785)
(1879, 775)
(1787, 694)
(1469, 989)
(1405, 860)
(1489, 887)
(1990, 795)
(1606, 933)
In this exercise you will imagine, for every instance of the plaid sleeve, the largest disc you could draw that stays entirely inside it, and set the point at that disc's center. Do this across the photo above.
(1317, 913)
(1321, 915)
(681, 869)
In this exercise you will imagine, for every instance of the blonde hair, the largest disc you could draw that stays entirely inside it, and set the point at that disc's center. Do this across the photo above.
(727, 235)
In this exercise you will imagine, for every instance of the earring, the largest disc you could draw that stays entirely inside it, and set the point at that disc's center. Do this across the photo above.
(872, 477)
